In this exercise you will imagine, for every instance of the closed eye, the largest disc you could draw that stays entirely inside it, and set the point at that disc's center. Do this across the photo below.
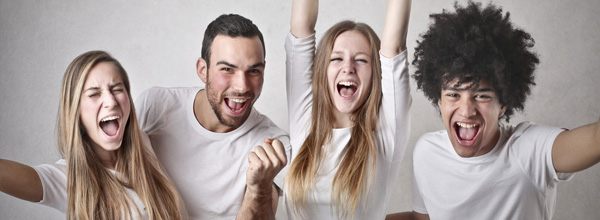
(362, 60)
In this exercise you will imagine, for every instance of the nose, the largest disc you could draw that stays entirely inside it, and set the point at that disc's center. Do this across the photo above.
(109, 100)
(239, 82)
(348, 66)
(467, 108)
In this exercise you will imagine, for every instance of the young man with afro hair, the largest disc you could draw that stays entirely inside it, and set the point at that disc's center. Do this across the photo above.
(477, 68)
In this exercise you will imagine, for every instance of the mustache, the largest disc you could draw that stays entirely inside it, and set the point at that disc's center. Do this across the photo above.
(237, 94)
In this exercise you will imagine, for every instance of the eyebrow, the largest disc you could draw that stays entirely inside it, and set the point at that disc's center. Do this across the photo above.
(259, 64)
(463, 89)
(98, 88)
(366, 53)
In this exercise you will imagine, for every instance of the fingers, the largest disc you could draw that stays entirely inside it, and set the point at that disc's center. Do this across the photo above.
(279, 150)
(270, 156)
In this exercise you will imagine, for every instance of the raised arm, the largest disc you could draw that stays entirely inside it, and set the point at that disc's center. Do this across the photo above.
(20, 181)
(577, 149)
(393, 40)
(304, 17)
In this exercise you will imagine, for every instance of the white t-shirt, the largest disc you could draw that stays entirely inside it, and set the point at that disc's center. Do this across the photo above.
(208, 168)
(392, 132)
(515, 180)
(54, 183)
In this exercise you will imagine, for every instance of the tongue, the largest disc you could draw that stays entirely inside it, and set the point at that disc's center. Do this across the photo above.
(467, 133)
(110, 127)
(346, 91)
(235, 106)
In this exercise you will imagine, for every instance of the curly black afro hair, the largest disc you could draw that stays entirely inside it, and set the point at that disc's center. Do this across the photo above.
(474, 44)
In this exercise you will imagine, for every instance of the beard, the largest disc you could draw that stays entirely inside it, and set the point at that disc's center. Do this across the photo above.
(224, 119)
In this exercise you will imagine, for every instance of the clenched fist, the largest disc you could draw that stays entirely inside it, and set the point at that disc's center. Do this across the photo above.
(265, 162)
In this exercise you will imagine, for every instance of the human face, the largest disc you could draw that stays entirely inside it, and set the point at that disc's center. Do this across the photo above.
(349, 72)
(234, 77)
(104, 108)
(471, 117)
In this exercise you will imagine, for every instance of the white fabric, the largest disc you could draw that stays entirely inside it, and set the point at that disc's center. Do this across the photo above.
(208, 169)
(392, 132)
(54, 183)
(516, 180)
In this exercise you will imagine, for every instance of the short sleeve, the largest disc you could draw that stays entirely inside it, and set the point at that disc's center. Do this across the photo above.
(532, 145)
(54, 183)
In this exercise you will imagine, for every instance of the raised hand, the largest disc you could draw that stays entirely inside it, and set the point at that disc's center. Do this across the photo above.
(260, 200)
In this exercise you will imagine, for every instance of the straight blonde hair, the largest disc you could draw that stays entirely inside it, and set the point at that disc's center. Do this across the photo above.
(93, 192)
(352, 178)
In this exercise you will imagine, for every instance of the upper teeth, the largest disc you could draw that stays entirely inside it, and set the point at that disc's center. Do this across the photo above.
(110, 118)
(465, 125)
(347, 83)
(237, 100)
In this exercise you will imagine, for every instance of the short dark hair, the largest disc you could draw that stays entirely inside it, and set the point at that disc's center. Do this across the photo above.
(231, 25)
(475, 44)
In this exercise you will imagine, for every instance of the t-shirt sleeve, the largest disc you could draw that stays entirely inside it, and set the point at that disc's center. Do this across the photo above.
(54, 183)
(143, 106)
(300, 53)
(532, 145)
(394, 116)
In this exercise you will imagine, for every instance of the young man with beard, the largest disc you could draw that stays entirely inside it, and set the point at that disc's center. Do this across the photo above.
(478, 69)
(206, 138)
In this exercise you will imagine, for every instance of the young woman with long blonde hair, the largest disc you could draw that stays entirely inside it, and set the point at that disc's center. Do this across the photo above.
(349, 114)
(108, 170)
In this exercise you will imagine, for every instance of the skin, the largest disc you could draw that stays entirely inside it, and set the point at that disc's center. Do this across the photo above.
(476, 106)
(104, 96)
(235, 74)
(350, 62)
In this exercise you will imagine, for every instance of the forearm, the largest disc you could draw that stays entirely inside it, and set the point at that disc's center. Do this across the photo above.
(20, 181)
(395, 29)
(304, 17)
(257, 204)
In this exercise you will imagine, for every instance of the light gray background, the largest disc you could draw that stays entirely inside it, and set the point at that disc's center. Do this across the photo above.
(158, 44)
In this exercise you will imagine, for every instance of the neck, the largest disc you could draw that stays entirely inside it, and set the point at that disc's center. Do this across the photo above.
(206, 116)
(107, 158)
(342, 120)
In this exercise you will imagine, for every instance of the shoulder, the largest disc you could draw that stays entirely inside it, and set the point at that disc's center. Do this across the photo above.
(58, 168)
(259, 124)
(530, 130)
(432, 141)
(159, 93)
(158, 99)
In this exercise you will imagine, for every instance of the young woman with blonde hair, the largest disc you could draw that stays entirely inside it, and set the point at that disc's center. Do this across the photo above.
(108, 170)
(349, 114)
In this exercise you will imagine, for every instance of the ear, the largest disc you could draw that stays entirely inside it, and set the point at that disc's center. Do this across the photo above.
(502, 111)
(202, 69)
(439, 102)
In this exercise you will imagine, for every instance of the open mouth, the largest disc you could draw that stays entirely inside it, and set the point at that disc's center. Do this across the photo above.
(110, 125)
(466, 133)
(347, 89)
(236, 105)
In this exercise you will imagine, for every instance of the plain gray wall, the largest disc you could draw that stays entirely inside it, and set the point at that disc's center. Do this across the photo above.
(158, 44)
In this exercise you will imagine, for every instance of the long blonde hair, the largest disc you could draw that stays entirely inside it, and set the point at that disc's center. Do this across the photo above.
(352, 176)
(93, 192)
